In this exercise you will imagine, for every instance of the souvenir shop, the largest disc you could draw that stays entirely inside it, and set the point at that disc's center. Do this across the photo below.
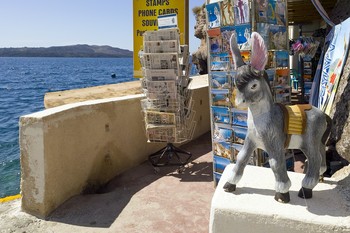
(304, 65)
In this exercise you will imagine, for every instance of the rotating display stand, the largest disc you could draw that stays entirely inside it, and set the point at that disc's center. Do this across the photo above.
(167, 106)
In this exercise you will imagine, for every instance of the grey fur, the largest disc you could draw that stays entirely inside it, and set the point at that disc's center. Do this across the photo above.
(266, 131)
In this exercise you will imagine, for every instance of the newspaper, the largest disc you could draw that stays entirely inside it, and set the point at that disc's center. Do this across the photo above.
(160, 61)
(160, 74)
(166, 34)
(166, 46)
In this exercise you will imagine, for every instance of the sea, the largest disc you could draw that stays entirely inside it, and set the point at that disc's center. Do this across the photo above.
(23, 84)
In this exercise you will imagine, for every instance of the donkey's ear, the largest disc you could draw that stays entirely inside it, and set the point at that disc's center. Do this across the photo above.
(236, 53)
(258, 57)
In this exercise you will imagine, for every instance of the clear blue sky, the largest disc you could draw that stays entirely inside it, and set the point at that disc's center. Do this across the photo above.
(44, 23)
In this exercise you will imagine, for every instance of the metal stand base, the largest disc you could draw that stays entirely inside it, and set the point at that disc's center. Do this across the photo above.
(169, 156)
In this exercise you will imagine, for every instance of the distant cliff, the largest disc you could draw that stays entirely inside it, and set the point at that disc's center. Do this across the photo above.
(66, 51)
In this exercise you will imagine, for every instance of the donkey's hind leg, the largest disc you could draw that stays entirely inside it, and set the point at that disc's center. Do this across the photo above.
(312, 174)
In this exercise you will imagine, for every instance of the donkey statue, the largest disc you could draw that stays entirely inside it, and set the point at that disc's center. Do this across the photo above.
(266, 126)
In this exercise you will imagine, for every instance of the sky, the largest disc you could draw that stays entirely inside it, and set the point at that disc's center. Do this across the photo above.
(43, 23)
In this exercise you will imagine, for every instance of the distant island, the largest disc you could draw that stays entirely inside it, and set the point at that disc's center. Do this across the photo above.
(66, 51)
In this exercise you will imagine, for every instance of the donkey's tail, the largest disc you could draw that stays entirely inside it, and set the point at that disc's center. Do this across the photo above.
(328, 130)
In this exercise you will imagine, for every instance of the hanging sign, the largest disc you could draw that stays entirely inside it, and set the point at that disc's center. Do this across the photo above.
(145, 16)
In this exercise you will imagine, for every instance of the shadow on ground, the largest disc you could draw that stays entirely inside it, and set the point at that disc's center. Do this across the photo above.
(141, 183)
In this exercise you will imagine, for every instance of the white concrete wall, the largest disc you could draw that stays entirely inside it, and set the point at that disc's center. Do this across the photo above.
(68, 148)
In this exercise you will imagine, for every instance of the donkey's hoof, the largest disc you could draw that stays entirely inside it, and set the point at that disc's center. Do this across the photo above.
(282, 197)
(228, 187)
(305, 193)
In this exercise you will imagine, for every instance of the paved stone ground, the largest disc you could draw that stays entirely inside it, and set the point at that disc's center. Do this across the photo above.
(139, 200)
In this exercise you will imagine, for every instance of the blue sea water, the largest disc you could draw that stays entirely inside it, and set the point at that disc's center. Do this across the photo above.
(23, 84)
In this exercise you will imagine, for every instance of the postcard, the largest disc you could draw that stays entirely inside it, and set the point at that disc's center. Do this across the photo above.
(222, 133)
(239, 134)
(271, 76)
(282, 59)
(213, 15)
(215, 44)
(261, 11)
(220, 80)
(220, 162)
(220, 62)
(280, 11)
(263, 29)
(241, 11)
(271, 12)
(220, 97)
(239, 117)
(226, 33)
(282, 95)
(227, 13)
(282, 78)
(221, 114)
(236, 149)
(243, 36)
(278, 37)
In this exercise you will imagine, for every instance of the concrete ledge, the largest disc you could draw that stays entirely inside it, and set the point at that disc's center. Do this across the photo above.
(252, 208)
(81, 146)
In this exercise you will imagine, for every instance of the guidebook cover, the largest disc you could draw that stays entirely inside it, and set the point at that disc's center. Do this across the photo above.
(227, 13)
(333, 64)
(214, 15)
(241, 11)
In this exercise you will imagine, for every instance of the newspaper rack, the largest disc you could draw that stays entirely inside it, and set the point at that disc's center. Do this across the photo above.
(167, 106)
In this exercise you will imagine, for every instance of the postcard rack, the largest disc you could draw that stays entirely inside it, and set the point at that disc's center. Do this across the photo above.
(167, 106)
(242, 17)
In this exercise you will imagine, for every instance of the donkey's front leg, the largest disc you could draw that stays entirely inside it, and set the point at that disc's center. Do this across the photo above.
(242, 160)
(278, 165)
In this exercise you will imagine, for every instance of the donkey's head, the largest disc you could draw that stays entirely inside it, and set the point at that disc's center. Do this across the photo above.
(251, 80)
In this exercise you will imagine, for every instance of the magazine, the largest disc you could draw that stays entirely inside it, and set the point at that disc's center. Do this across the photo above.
(241, 11)
(213, 15)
